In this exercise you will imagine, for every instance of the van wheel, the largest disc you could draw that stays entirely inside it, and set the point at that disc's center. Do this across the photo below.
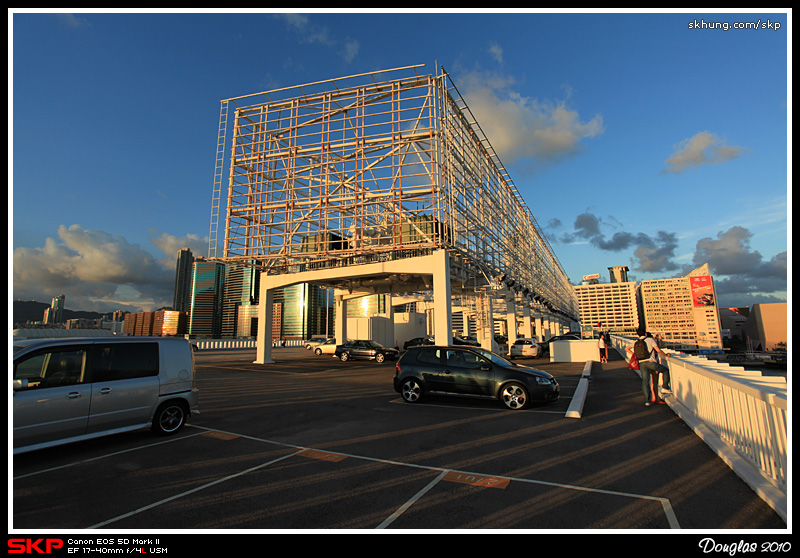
(169, 418)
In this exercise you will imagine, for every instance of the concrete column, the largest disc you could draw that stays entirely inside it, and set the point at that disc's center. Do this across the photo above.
(511, 319)
(442, 303)
(527, 325)
(486, 322)
(340, 317)
(264, 335)
(387, 300)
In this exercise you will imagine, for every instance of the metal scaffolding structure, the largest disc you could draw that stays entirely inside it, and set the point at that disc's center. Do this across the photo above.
(371, 168)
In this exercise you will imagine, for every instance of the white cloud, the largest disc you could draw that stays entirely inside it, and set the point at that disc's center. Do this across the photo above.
(704, 148)
(523, 128)
(93, 267)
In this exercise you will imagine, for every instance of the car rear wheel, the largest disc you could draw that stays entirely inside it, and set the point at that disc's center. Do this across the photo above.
(380, 358)
(318, 351)
(169, 418)
(344, 357)
(514, 396)
(411, 390)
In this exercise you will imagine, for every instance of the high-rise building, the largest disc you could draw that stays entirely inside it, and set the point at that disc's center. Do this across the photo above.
(302, 311)
(608, 306)
(240, 290)
(618, 273)
(55, 314)
(683, 311)
(205, 317)
(182, 301)
(158, 323)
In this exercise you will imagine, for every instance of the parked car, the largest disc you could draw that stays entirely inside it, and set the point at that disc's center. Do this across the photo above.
(314, 341)
(69, 389)
(524, 347)
(365, 350)
(326, 348)
(427, 340)
(471, 371)
(544, 347)
(466, 340)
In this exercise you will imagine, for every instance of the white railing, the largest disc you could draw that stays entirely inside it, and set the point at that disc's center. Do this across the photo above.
(744, 410)
(209, 344)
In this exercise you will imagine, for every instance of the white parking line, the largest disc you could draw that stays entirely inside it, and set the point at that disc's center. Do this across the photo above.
(192, 491)
(168, 441)
(402, 509)
(665, 503)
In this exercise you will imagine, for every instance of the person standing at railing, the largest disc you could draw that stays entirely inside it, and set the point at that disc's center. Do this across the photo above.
(645, 349)
(601, 344)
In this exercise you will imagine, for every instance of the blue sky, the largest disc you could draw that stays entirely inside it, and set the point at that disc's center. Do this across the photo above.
(635, 139)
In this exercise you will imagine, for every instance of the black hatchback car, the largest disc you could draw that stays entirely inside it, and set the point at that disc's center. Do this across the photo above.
(471, 371)
(365, 349)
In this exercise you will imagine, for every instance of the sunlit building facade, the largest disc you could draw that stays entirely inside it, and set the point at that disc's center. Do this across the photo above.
(683, 311)
(609, 307)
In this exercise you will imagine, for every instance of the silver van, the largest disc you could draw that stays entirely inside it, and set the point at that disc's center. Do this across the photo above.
(70, 389)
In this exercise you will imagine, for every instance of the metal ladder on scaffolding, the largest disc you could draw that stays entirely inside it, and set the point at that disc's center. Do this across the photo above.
(217, 186)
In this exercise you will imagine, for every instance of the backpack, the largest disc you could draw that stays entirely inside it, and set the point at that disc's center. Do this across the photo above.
(640, 349)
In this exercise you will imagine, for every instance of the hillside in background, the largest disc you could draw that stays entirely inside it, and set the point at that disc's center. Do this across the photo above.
(32, 311)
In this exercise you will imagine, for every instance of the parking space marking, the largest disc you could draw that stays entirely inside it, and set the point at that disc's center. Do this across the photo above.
(477, 480)
(192, 491)
(323, 455)
(221, 435)
(465, 477)
(666, 505)
(168, 441)
(487, 409)
(402, 509)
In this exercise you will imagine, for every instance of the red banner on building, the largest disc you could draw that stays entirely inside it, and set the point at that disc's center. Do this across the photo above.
(702, 291)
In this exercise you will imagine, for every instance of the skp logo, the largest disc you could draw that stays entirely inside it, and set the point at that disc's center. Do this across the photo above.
(31, 546)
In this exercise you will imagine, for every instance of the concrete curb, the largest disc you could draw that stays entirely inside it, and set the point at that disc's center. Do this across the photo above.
(575, 409)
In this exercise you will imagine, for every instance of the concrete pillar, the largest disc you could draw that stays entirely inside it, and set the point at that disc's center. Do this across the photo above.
(442, 303)
(264, 335)
(485, 316)
(387, 301)
(511, 319)
(340, 317)
(527, 325)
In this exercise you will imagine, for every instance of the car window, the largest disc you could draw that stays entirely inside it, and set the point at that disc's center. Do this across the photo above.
(122, 361)
(429, 356)
(53, 367)
(463, 359)
(494, 357)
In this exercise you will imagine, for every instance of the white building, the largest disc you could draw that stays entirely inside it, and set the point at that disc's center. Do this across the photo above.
(683, 310)
(608, 306)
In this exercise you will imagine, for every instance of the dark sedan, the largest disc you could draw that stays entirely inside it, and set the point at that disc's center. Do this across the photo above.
(427, 340)
(365, 350)
(471, 371)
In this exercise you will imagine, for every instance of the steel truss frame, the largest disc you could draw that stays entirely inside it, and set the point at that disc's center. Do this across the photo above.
(373, 168)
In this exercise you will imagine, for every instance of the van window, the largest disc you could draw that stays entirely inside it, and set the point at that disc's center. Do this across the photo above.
(60, 366)
(122, 361)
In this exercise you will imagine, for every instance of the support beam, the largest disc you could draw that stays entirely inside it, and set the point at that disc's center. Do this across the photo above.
(442, 303)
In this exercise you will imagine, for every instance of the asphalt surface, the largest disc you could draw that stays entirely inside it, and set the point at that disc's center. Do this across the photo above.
(311, 443)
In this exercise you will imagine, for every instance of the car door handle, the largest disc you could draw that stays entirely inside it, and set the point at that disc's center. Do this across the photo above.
(105, 391)
(73, 395)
